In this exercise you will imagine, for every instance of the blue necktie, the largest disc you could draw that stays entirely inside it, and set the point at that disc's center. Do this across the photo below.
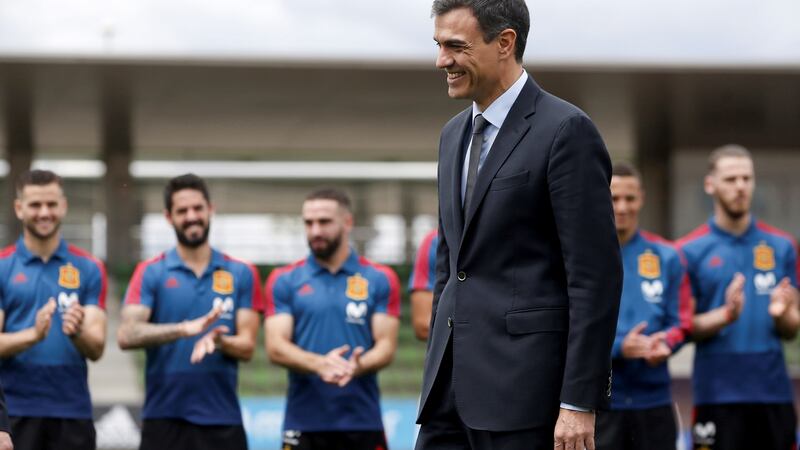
(474, 158)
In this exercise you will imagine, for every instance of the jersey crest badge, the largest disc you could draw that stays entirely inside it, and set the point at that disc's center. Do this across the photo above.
(69, 277)
(223, 282)
(763, 257)
(357, 287)
(649, 265)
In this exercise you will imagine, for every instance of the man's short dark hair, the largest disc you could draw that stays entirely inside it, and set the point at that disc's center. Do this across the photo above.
(493, 16)
(625, 169)
(179, 183)
(330, 193)
(729, 150)
(37, 177)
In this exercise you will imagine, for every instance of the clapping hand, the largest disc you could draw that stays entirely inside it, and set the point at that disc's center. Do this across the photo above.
(734, 297)
(653, 348)
(44, 318)
(783, 297)
(207, 344)
(197, 326)
(335, 369)
(72, 320)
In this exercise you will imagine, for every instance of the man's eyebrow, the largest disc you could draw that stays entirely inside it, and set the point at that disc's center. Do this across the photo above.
(451, 42)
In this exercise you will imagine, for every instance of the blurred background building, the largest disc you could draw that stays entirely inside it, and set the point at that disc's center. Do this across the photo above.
(269, 99)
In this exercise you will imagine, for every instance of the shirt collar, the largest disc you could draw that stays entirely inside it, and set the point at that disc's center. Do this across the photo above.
(351, 264)
(634, 239)
(497, 112)
(712, 224)
(174, 261)
(61, 251)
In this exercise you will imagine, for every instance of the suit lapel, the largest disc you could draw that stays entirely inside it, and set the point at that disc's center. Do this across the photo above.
(454, 146)
(514, 128)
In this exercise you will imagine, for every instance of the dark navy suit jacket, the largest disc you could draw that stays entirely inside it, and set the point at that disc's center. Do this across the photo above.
(529, 279)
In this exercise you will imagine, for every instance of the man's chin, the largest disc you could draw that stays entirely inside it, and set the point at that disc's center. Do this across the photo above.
(456, 93)
(43, 234)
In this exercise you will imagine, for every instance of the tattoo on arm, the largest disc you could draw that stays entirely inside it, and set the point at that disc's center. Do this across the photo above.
(137, 332)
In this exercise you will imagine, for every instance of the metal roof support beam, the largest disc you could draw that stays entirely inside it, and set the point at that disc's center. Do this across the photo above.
(19, 135)
(121, 202)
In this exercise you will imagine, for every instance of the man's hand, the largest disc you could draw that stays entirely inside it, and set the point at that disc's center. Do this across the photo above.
(207, 344)
(353, 362)
(574, 430)
(44, 318)
(734, 297)
(72, 320)
(333, 367)
(783, 297)
(5, 441)
(197, 326)
(636, 345)
(659, 350)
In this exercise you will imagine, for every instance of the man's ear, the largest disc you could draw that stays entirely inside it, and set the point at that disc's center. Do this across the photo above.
(708, 184)
(18, 208)
(507, 43)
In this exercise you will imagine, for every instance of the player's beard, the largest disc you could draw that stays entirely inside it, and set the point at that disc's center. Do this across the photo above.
(31, 227)
(189, 241)
(326, 251)
(733, 211)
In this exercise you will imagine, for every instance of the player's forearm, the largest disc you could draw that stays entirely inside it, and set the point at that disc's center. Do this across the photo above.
(421, 304)
(240, 347)
(143, 334)
(17, 342)
(378, 357)
(90, 342)
(709, 324)
(294, 358)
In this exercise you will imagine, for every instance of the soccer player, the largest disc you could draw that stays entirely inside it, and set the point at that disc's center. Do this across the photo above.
(172, 299)
(743, 274)
(52, 301)
(332, 320)
(654, 319)
(420, 285)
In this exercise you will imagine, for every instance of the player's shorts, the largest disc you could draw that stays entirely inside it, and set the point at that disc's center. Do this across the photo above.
(177, 434)
(47, 433)
(636, 429)
(334, 440)
(744, 426)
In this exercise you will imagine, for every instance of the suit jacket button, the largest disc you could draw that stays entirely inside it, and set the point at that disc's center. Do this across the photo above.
(461, 276)
(449, 322)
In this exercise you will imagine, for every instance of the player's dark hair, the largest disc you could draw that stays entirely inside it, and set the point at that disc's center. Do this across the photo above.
(494, 16)
(330, 193)
(179, 183)
(726, 151)
(37, 177)
(625, 169)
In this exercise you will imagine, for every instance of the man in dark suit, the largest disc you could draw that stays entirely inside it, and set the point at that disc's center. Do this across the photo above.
(528, 265)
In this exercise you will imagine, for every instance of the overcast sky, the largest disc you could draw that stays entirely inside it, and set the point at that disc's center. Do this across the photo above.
(638, 32)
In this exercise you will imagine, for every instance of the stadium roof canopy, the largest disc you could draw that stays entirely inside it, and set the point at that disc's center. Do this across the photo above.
(611, 33)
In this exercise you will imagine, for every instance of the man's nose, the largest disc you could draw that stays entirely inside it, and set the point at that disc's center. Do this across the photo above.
(314, 229)
(443, 59)
(191, 215)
